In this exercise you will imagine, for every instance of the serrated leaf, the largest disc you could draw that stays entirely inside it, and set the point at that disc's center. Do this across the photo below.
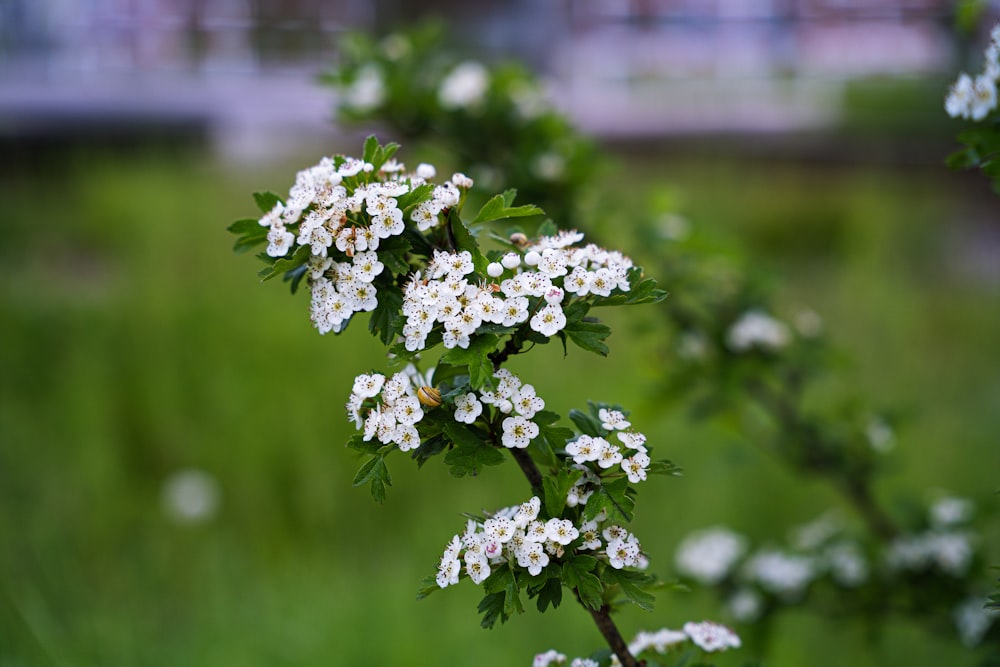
(556, 488)
(498, 208)
(586, 423)
(471, 452)
(371, 145)
(376, 474)
(386, 319)
(491, 607)
(392, 252)
(548, 228)
(643, 291)
(246, 226)
(664, 467)
(464, 240)
(591, 591)
(589, 335)
(550, 594)
(414, 197)
(300, 257)
(266, 201)
(357, 443)
(428, 585)
(633, 585)
(475, 358)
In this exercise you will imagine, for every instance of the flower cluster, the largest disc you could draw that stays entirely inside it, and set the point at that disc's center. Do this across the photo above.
(590, 451)
(706, 635)
(533, 285)
(516, 535)
(343, 209)
(387, 410)
(974, 98)
(756, 329)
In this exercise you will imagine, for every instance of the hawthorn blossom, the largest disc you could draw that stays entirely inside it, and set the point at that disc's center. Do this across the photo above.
(468, 408)
(710, 637)
(708, 555)
(518, 432)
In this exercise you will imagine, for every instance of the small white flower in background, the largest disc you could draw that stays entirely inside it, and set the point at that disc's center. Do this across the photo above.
(847, 564)
(659, 641)
(550, 657)
(984, 97)
(583, 662)
(711, 636)
(367, 91)
(426, 171)
(951, 510)
(708, 555)
(549, 166)
(812, 535)
(190, 496)
(673, 227)
(808, 323)
(880, 435)
(692, 346)
(745, 605)
(973, 621)
(757, 329)
(780, 573)
(974, 98)
(464, 87)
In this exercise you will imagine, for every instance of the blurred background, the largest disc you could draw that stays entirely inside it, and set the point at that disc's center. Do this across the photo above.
(173, 483)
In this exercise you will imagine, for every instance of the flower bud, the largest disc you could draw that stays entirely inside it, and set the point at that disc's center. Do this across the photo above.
(429, 396)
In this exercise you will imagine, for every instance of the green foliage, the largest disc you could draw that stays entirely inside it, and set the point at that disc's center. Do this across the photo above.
(476, 359)
(499, 208)
(472, 450)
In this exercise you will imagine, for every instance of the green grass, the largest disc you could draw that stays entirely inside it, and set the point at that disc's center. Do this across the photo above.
(136, 344)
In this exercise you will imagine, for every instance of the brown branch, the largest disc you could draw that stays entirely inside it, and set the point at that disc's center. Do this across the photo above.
(602, 617)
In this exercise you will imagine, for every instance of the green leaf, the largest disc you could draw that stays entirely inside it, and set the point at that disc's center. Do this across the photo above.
(550, 594)
(374, 471)
(428, 585)
(613, 497)
(548, 228)
(386, 320)
(414, 198)
(498, 208)
(586, 423)
(550, 438)
(591, 591)
(491, 607)
(664, 467)
(246, 226)
(633, 585)
(371, 146)
(358, 443)
(266, 201)
(589, 335)
(556, 487)
(475, 358)
(464, 240)
(300, 257)
(392, 252)
(643, 290)
(471, 452)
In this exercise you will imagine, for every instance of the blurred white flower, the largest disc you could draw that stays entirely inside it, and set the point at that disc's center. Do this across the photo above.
(464, 87)
(972, 620)
(745, 605)
(783, 574)
(367, 91)
(757, 329)
(880, 435)
(190, 496)
(950, 511)
(708, 555)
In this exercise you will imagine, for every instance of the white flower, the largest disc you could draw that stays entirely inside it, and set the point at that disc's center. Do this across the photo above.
(526, 403)
(406, 437)
(848, 566)
(477, 567)
(190, 496)
(494, 270)
(984, 97)
(464, 87)
(633, 440)
(527, 512)
(613, 420)
(500, 529)
(426, 171)
(518, 432)
(468, 408)
(757, 329)
(550, 657)
(622, 553)
(972, 620)
(950, 511)
(659, 641)
(511, 260)
(711, 636)
(561, 530)
(745, 605)
(585, 448)
(368, 386)
(635, 467)
(279, 241)
(367, 91)
(959, 98)
(533, 557)
(549, 320)
(407, 410)
(708, 555)
(609, 455)
(782, 574)
(591, 536)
